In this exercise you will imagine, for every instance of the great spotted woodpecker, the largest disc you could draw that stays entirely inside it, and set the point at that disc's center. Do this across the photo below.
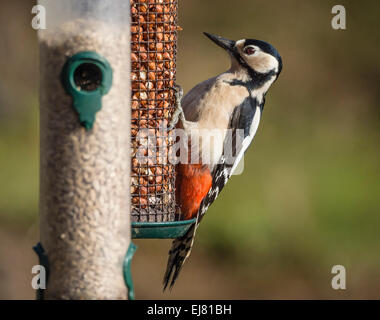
(232, 100)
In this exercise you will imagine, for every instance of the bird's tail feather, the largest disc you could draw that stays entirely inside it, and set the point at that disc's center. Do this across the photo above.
(178, 253)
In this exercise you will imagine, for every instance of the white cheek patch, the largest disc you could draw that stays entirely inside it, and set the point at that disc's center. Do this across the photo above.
(262, 62)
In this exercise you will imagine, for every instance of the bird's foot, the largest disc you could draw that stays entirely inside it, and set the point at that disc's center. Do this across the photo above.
(178, 112)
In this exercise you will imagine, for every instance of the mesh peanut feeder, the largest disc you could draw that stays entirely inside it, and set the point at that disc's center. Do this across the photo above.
(154, 28)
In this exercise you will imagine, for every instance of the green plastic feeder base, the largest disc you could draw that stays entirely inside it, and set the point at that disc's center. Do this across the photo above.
(160, 230)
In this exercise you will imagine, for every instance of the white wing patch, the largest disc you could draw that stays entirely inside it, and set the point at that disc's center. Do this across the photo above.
(247, 141)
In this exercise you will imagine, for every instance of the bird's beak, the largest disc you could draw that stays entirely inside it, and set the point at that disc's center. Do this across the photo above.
(221, 42)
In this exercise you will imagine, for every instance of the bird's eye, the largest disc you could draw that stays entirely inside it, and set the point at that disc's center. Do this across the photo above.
(249, 50)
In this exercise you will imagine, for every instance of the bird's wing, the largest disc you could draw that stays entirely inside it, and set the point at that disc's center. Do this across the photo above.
(245, 117)
(191, 101)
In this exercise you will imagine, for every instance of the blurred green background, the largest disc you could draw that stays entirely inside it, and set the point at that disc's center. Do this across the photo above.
(309, 197)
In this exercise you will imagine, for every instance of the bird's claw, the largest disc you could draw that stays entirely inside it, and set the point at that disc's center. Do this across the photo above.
(178, 112)
(178, 93)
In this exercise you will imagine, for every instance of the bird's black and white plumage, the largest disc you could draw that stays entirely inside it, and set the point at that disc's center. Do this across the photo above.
(234, 100)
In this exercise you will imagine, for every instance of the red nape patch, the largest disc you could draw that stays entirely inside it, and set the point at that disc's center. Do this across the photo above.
(192, 184)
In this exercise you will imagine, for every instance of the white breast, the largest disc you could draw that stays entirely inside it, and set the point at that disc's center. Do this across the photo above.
(210, 115)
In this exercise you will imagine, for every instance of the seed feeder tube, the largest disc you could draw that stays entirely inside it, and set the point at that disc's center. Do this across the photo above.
(85, 147)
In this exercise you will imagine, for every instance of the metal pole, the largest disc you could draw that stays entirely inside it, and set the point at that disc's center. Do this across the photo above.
(85, 148)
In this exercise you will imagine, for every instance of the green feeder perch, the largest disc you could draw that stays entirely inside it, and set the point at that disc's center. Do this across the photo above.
(160, 230)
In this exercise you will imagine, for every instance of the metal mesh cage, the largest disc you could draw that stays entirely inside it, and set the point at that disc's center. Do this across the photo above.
(153, 44)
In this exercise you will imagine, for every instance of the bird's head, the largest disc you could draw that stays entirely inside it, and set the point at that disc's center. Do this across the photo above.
(258, 58)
